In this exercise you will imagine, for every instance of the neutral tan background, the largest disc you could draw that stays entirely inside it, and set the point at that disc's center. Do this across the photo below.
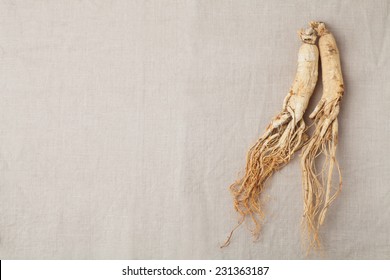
(123, 122)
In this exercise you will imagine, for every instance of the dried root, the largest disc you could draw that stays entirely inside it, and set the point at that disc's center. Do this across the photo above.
(283, 136)
(318, 191)
(266, 157)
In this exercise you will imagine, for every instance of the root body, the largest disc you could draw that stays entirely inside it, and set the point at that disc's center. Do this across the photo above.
(283, 136)
(318, 192)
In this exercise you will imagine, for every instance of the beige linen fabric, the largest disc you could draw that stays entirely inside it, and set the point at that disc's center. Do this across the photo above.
(122, 123)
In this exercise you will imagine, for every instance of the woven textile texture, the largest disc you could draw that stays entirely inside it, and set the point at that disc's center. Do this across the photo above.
(122, 124)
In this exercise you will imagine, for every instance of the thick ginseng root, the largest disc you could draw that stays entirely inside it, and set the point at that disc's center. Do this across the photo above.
(318, 191)
(283, 136)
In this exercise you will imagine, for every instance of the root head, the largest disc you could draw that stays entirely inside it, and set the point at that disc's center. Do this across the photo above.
(308, 35)
(319, 27)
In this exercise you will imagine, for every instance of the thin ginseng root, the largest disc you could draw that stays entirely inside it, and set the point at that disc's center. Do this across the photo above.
(318, 190)
(283, 136)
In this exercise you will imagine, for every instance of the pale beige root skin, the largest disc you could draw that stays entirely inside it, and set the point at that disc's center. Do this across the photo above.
(283, 136)
(318, 191)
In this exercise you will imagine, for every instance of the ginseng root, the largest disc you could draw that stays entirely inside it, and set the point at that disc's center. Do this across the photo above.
(318, 191)
(283, 136)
